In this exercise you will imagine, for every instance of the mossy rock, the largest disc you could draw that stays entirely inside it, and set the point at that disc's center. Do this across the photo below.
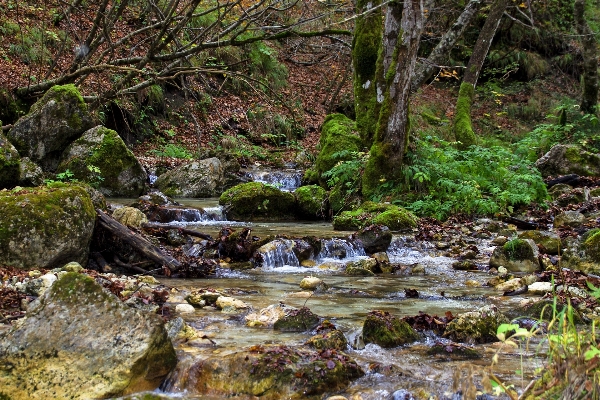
(312, 201)
(300, 320)
(338, 133)
(369, 213)
(9, 163)
(340, 200)
(517, 255)
(548, 241)
(46, 226)
(257, 201)
(569, 159)
(101, 158)
(328, 337)
(591, 245)
(53, 122)
(387, 331)
(476, 326)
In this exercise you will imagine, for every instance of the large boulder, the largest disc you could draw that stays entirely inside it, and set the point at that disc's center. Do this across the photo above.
(30, 174)
(53, 122)
(101, 158)
(569, 159)
(312, 201)
(81, 342)
(273, 372)
(45, 227)
(517, 255)
(257, 201)
(375, 238)
(204, 178)
(549, 242)
(584, 254)
(394, 217)
(9, 163)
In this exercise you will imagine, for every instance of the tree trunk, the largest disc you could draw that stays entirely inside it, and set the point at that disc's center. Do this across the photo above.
(365, 49)
(440, 53)
(463, 128)
(402, 32)
(589, 98)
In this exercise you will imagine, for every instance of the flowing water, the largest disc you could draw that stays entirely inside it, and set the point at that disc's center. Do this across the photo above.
(346, 303)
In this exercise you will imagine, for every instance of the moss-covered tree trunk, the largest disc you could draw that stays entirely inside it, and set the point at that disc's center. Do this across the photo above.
(463, 127)
(589, 99)
(441, 51)
(365, 49)
(401, 35)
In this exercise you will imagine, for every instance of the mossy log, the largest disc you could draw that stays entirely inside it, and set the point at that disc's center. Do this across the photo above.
(137, 242)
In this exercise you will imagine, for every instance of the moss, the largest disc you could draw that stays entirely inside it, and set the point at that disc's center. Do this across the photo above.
(312, 201)
(255, 200)
(518, 249)
(394, 217)
(71, 287)
(592, 246)
(377, 169)
(385, 330)
(60, 94)
(300, 320)
(463, 129)
(9, 164)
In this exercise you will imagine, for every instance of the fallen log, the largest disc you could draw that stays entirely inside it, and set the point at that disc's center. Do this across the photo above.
(519, 223)
(572, 180)
(137, 242)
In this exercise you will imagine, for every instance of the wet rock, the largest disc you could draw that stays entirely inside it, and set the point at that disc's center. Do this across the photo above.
(129, 216)
(297, 320)
(303, 250)
(44, 227)
(499, 240)
(184, 309)
(101, 158)
(276, 253)
(312, 283)
(385, 330)
(274, 372)
(383, 262)
(257, 201)
(229, 304)
(53, 122)
(369, 213)
(549, 242)
(569, 159)
(30, 174)
(540, 288)
(204, 178)
(449, 351)
(328, 337)
(510, 285)
(464, 265)
(569, 218)
(177, 330)
(476, 326)
(267, 317)
(10, 164)
(363, 267)
(99, 347)
(312, 202)
(517, 255)
(375, 238)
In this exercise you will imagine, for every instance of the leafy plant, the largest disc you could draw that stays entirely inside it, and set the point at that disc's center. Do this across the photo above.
(173, 151)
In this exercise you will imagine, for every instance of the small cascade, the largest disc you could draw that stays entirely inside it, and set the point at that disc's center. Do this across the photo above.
(340, 249)
(278, 253)
(287, 180)
(186, 215)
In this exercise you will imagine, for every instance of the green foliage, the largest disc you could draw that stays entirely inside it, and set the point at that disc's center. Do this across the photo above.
(173, 151)
(347, 172)
(477, 180)
(65, 176)
(273, 128)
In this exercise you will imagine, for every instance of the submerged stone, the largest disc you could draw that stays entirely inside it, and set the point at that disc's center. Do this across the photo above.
(386, 330)
(297, 320)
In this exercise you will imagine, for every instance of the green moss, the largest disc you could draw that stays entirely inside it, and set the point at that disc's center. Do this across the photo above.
(9, 164)
(377, 169)
(255, 200)
(463, 129)
(71, 287)
(312, 201)
(592, 246)
(300, 320)
(60, 94)
(392, 216)
(518, 249)
(396, 219)
(385, 330)
(5, 396)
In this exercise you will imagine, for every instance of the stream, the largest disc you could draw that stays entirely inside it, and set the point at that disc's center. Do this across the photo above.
(390, 373)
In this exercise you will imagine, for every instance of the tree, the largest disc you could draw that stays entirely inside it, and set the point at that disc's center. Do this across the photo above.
(463, 128)
(401, 35)
(589, 100)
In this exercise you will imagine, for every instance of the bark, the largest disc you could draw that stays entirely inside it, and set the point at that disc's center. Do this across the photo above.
(589, 98)
(137, 242)
(440, 53)
(463, 127)
(402, 32)
(365, 50)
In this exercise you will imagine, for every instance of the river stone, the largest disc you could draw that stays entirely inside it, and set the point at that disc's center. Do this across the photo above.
(119, 172)
(9, 163)
(274, 372)
(267, 316)
(45, 227)
(365, 266)
(386, 330)
(540, 288)
(312, 283)
(569, 219)
(328, 337)
(53, 122)
(510, 285)
(548, 241)
(129, 216)
(517, 255)
(184, 308)
(569, 159)
(204, 178)
(296, 320)
(227, 304)
(37, 287)
(375, 238)
(257, 201)
(80, 342)
(30, 174)
(476, 326)
(312, 202)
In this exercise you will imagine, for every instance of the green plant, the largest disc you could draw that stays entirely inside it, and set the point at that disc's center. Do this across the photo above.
(173, 151)
(65, 176)
(95, 177)
(346, 174)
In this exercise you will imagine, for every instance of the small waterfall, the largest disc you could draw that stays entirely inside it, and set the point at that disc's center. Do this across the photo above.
(186, 215)
(278, 253)
(341, 248)
(287, 180)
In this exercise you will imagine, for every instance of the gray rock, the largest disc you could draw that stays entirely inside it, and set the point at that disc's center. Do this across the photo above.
(478, 326)
(548, 241)
(81, 342)
(101, 158)
(517, 255)
(45, 227)
(9, 163)
(30, 174)
(205, 178)
(375, 238)
(569, 159)
(569, 218)
(53, 122)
